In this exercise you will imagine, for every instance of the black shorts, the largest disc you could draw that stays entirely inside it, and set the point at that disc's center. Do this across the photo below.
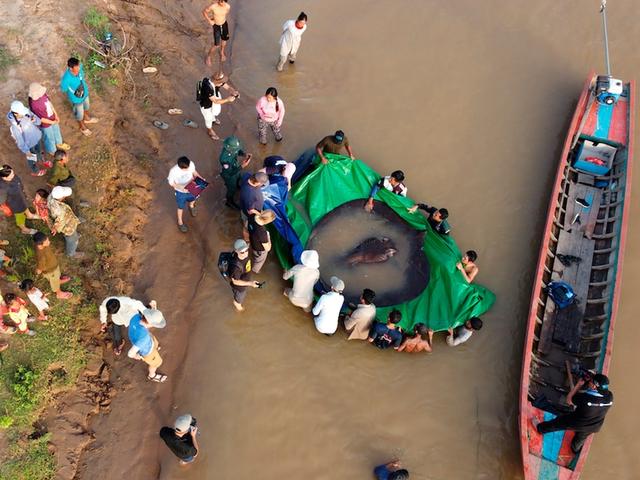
(220, 32)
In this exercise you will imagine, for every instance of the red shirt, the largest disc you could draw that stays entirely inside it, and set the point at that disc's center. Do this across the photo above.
(42, 108)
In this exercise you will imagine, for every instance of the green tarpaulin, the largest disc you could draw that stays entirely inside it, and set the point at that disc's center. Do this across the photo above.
(447, 301)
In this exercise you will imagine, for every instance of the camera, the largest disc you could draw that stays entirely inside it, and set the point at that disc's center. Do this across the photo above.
(260, 284)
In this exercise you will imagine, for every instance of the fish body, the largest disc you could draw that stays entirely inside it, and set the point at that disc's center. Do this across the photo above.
(372, 250)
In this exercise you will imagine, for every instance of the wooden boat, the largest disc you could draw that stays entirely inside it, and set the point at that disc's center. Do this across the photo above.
(587, 219)
(583, 247)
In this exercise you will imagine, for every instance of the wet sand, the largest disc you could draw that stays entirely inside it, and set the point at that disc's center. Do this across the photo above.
(472, 102)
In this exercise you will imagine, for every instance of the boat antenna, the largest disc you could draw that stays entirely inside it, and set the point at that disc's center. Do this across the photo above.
(603, 11)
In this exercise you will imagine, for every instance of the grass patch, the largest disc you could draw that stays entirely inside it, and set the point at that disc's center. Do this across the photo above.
(31, 460)
(6, 61)
(97, 22)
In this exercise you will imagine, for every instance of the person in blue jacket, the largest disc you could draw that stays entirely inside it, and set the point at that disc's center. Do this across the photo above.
(74, 86)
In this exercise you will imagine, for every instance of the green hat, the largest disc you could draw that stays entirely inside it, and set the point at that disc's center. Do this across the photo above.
(232, 144)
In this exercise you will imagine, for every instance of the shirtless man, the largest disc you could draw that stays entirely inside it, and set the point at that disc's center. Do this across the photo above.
(467, 266)
(219, 11)
(419, 342)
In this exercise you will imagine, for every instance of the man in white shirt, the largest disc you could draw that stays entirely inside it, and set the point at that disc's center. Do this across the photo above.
(327, 309)
(181, 175)
(461, 334)
(121, 309)
(392, 183)
(305, 275)
(290, 39)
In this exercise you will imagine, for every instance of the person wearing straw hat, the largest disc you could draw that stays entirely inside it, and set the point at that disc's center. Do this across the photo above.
(305, 275)
(24, 130)
(182, 439)
(64, 220)
(259, 238)
(144, 343)
(211, 100)
(240, 273)
(327, 310)
(42, 107)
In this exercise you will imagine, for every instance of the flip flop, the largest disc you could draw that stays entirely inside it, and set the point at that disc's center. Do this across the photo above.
(158, 377)
(86, 132)
(214, 137)
(149, 70)
(190, 124)
(160, 125)
(175, 111)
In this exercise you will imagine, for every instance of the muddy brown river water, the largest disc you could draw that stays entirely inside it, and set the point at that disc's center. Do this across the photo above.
(472, 100)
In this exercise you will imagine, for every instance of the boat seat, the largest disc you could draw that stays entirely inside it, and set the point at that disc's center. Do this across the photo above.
(587, 215)
(565, 328)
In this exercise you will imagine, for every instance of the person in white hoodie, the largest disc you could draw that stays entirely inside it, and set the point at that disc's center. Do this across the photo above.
(290, 39)
(25, 130)
(327, 310)
(305, 275)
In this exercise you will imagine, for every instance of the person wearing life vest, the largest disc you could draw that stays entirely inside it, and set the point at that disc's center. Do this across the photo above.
(591, 405)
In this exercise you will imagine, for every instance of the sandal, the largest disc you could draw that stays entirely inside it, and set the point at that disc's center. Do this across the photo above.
(190, 124)
(174, 111)
(149, 70)
(158, 377)
(86, 132)
(214, 136)
(39, 173)
(64, 279)
(64, 146)
(160, 125)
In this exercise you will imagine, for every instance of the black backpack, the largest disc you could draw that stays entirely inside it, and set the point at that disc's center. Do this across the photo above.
(225, 260)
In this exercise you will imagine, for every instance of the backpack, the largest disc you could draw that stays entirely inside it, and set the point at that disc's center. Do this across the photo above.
(561, 293)
(225, 260)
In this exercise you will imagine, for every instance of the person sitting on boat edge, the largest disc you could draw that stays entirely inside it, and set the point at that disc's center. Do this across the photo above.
(591, 407)
(437, 217)
(467, 265)
(392, 182)
(358, 322)
(389, 335)
(420, 341)
(334, 144)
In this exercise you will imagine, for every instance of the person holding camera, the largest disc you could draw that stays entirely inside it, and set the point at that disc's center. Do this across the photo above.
(591, 405)
(240, 273)
(182, 438)
(211, 100)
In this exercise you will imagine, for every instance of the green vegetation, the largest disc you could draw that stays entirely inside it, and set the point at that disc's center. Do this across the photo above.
(97, 22)
(34, 369)
(6, 60)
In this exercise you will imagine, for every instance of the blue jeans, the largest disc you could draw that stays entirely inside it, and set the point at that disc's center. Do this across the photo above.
(71, 243)
(51, 137)
(33, 164)
(182, 198)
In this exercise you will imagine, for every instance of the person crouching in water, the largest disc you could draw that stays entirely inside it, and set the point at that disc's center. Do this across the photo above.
(327, 310)
(418, 342)
(305, 275)
(467, 265)
(389, 335)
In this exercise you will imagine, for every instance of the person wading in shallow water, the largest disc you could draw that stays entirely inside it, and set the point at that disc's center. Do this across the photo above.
(216, 15)
(232, 160)
(290, 39)
(392, 183)
(305, 275)
(335, 143)
(179, 177)
(327, 310)
(467, 265)
(270, 110)
(182, 438)
(240, 273)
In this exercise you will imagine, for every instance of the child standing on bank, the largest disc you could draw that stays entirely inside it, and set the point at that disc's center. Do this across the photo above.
(39, 299)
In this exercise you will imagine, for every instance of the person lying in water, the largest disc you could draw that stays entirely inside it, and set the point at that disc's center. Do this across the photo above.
(467, 265)
(420, 341)
(437, 217)
(392, 182)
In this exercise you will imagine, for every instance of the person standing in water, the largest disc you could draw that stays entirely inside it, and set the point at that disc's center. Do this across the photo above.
(305, 275)
(290, 39)
(270, 110)
(467, 265)
(216, 15)
(334, 144)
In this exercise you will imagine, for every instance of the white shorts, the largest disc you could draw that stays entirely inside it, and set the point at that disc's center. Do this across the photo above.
(210, 114)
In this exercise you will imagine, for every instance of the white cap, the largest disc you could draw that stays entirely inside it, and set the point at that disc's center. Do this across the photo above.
(19, 108)
(337, 284)
(154, 317)
(183, 422)
(58, 193)
(309, 258)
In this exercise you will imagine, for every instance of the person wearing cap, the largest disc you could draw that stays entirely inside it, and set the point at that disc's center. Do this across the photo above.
(122, 310)
(181, 175)
(64, 220)
(305, 275)
(259, 238)
(24, 126)
(335, 144)
(327, 310)
(387, 335)
(211, 100)
(251, 197)
(74, 86)
(42, 107)
(232, 160)
(290, 39)
(275, 166)
(591, 399)
(240, 273)
(47, 265)
(12, 195)
(182, 439)
(144, 343)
